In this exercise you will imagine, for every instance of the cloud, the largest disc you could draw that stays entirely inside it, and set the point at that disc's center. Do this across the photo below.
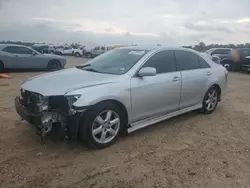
(206, 27)
(116, 21)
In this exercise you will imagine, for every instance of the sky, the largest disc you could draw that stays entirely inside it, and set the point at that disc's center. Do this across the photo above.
(145, 22)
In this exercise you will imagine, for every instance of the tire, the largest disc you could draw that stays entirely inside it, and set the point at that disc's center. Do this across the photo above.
(95, 131)
(210, 100)
(77, 54)
(1, 67)
(54, 65)
(89, 55)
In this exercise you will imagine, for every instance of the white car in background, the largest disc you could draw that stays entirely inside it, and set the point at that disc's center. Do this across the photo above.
(64, 51)
(78, 52)
(98, 50)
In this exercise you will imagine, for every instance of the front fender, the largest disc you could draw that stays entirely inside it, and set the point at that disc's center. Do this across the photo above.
(90, 96)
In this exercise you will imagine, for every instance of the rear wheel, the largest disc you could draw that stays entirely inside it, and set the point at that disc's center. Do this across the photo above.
(210, 100)
(1, 67)
(102, 125)
(54, 65)
(77, 54)
(89, 55)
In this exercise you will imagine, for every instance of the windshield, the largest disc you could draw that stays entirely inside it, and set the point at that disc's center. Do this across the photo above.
(117, 61)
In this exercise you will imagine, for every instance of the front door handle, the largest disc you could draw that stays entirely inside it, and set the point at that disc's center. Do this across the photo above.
(209, 73)
(176, 79)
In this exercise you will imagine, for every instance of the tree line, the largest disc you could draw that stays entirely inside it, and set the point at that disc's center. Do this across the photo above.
(201, 47)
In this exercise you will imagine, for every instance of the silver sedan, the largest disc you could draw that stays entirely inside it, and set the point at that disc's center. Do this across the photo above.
(124, 89)
(22, 57)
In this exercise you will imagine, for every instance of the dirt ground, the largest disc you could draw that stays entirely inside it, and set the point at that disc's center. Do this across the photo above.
(192, 150)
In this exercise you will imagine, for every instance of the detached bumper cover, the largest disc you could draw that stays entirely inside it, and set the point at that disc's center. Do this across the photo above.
(36, 119)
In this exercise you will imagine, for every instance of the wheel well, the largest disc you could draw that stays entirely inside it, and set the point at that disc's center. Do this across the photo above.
(54, 60)
(219, 90)
(1, 64)
(120, 105)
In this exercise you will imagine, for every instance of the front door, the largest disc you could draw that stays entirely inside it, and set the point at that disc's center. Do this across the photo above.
(195, 73)
(159, 94)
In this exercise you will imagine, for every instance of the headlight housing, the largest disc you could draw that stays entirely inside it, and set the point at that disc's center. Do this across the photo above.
(42, 102)
(72, 99)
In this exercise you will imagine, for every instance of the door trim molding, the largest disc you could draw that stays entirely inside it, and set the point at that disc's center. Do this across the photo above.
(149, 121)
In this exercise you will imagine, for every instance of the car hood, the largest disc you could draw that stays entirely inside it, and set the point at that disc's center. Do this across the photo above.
(64, 81)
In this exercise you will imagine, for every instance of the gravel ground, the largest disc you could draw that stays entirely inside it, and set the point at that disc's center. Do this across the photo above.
(192, 150)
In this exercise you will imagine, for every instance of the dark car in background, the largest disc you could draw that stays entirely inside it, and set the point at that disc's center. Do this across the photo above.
(44, 49)
(238, 59)
(219, 52)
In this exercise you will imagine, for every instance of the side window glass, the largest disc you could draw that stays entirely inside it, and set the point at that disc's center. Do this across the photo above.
(97, 48)
(225, 51)
(23, 50)
(215, 52)
(187, 60)
(9, 49)
(163, 62)
(102, 48)
(203, 63)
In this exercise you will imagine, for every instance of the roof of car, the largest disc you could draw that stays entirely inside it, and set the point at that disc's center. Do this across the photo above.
(16, 45)
(150, 48)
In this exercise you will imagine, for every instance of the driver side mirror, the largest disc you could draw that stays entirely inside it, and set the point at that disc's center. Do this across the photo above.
(147, 71)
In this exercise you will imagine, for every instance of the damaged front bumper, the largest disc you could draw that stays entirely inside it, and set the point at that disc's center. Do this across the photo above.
(48, 122)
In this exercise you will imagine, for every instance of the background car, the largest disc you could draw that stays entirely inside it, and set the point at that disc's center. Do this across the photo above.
(98, 50)
(219, 52)
(78, 52)
(238, 59)
(64, 51)
(44, 49)
(124, 89)
(22, 57)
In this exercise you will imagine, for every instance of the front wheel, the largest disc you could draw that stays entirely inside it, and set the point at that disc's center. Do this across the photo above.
(210, 100)
(101, 125)
(77, 54)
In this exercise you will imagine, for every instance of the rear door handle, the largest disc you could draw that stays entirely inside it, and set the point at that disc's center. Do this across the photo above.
(176, 79)
(209, 73)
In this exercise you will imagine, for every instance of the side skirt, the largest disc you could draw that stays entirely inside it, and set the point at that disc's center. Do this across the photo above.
(149, 121)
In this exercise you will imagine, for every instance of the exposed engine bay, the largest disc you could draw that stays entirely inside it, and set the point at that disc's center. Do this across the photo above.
(53, 112)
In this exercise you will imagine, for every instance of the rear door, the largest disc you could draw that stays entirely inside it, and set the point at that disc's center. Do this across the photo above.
(96, 51)
(195, 73)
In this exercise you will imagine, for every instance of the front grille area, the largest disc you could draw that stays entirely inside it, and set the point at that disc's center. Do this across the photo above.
(29, 100)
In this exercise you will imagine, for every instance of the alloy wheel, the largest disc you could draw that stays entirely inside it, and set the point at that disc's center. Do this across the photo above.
(106, 126)
(211, 100)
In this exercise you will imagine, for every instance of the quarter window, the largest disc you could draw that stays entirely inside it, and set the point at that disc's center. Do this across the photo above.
(187, 60)
(163, 62)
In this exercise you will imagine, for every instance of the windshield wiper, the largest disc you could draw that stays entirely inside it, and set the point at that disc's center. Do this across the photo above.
(87, 68)
(90, 69)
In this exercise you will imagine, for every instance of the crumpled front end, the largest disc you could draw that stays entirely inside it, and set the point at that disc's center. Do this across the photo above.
(51, 115)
